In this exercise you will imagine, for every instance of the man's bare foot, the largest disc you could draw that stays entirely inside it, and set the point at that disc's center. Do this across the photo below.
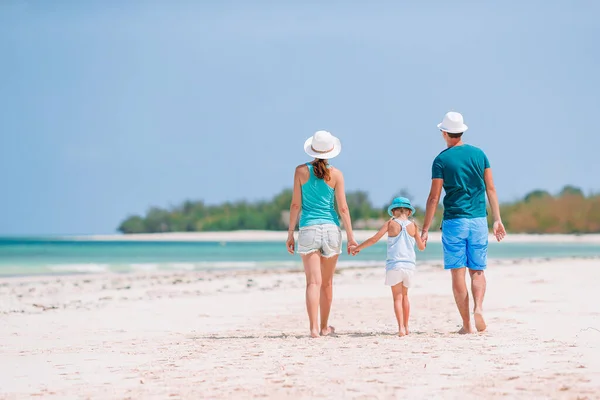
(327, 331)
(479, 321)
(314, 334)
(465, 330)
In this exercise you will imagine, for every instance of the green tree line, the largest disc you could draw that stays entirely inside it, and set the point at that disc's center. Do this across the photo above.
(568, 211)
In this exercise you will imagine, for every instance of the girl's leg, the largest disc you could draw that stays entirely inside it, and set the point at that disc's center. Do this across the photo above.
(405, 307)
(327, 270)
(312, 269)
(398, 296)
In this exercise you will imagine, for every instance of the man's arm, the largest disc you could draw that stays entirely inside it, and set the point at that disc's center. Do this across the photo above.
(490, 189)
(437, 182)
(432, 204)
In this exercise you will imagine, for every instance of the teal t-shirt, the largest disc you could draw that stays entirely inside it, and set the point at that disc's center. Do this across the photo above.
(462, 168)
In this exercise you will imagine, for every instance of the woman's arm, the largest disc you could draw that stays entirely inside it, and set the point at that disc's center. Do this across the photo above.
(340, 197)
(372, 240)
(295, 208)
(415, 233)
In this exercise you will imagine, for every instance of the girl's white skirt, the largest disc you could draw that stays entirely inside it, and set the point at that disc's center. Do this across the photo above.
(395, 276)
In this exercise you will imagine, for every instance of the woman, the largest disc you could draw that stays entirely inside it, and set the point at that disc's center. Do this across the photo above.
(316, 184)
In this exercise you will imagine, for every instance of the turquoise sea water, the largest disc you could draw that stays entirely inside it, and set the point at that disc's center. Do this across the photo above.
(53, 256)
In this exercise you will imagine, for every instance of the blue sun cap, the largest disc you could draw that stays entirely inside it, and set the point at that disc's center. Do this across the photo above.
(400, 202)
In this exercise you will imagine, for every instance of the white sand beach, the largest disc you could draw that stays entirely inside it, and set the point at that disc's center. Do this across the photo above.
(244, 335)
(279, 236)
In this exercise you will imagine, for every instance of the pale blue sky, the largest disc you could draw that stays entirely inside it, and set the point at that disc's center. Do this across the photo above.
(109, 107)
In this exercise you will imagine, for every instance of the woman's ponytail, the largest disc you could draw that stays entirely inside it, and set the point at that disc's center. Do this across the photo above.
(320, 169)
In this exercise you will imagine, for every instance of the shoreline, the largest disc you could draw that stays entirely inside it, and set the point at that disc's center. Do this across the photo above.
(231, 272)
(280, 236)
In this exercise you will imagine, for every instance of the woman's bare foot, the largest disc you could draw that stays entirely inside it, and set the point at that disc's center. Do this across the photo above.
(314, 334)
(407, 331)
(479, 321)
(402, 332)
(465, 330)
(327, 331)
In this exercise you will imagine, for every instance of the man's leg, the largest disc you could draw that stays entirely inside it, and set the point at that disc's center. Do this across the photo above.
(477, 245)
(478, 285)
(461, 297)
(454, 235)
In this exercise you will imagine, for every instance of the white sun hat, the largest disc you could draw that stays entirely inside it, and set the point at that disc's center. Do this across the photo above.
(322, 145)
(453, 123)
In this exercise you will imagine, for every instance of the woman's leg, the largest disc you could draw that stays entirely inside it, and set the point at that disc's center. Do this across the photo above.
(405, 307)
(312, 269)
(327, 271)
(398, 299)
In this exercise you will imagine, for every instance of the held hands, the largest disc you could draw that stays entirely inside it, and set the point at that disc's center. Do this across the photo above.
(351, 245)
(354, 250)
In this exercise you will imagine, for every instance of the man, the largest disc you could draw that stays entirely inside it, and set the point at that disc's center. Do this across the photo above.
(465, 174)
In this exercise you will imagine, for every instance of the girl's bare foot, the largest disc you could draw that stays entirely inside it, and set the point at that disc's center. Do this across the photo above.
(327, 331)
(479, 321)
(314, 334)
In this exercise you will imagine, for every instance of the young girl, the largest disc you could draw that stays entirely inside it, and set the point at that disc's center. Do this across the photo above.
(400, 263)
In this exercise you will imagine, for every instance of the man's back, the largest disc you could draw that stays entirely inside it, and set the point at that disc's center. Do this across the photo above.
(462, 169)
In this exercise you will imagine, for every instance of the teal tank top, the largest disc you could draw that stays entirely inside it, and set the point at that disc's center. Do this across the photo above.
(317, 202)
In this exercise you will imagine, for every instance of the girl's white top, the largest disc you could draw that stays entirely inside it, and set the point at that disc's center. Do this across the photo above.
(401, 249)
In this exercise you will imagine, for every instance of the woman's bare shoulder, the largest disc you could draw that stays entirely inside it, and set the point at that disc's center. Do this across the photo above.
(302, 173)
(302, 168)
(335, 173)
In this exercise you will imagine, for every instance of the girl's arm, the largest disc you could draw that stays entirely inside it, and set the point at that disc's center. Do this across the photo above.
(372, 240)
(413, 230)
(295, 207)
